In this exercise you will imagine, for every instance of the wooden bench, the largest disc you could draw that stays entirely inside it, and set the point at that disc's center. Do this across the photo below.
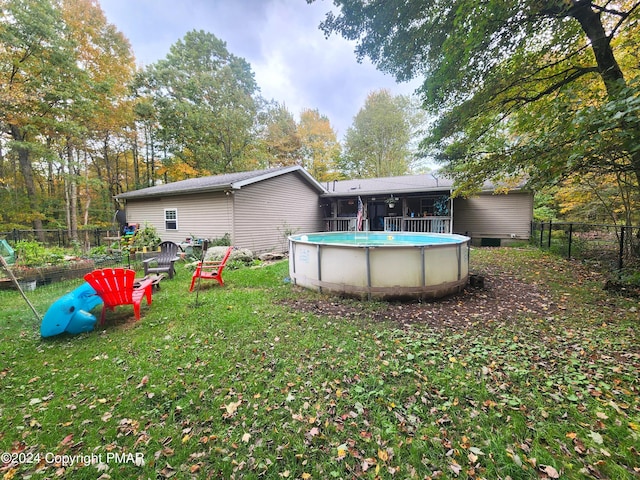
(155, 280)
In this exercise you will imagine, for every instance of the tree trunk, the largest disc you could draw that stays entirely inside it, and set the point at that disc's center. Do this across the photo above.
(67, 204)
(87, 203)
(608, 67)
(136, 161)
(26, 169)
(73, 194)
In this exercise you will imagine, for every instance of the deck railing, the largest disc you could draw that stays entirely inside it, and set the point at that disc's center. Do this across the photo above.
(418, 224)
(392, 224)
(344, 224)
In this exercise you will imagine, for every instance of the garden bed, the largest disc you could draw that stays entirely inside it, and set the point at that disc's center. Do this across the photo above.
(50, 274)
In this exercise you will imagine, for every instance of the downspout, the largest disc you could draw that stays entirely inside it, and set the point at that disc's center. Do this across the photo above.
(231, 214)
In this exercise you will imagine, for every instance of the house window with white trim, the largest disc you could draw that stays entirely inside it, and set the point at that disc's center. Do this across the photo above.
(171, 219)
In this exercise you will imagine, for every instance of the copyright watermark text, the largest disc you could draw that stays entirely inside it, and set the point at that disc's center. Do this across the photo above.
(20, 458)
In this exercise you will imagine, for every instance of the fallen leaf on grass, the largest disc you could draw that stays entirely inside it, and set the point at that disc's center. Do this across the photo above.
(367, 463)
(455, 468)
(515, 457)
(167, 472)
(383, 455)
(231, 409)
(550, 471)
(579, 447)
(342, 450)
(596, 437)
(143, 382)
(476, 450)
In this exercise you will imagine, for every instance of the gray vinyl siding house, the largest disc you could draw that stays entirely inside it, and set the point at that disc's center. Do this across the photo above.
(260, 209)
(257, 209)
(493, 219)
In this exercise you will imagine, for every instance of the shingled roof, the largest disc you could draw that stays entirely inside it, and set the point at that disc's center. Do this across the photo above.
(227, 181)
(403, 184)
(428, 182)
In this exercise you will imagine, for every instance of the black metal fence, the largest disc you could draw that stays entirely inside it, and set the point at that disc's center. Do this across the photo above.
(613, 247)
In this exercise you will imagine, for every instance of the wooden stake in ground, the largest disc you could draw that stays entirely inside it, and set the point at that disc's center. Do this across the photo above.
(205, 247)
(15, 280)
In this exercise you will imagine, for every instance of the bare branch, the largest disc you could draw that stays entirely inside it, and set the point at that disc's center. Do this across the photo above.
(577, 73)
(622, 19)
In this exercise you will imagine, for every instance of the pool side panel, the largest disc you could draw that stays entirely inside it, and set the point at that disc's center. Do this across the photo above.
(396, 267)
(381, 272)
(344, 265)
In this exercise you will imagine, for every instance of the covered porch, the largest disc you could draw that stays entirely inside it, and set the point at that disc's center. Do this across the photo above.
(419, 212)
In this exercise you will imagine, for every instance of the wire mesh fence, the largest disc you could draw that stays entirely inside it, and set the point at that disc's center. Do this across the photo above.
(612, 247)
(71, 268)
(50, 256)
(87, 238)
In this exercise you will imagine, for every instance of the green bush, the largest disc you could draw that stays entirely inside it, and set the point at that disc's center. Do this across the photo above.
(630, 276)
(146, 236)
(35, 254)
(99, 250)
(224, 241)
(544, 214)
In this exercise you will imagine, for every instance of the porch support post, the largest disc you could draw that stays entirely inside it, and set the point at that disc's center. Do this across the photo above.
(450, 213)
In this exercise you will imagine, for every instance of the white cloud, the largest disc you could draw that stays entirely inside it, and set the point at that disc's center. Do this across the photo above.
(293, 62)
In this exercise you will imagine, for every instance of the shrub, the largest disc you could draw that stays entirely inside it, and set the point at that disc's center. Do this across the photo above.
(34, 254)
(146, 237)
(99, 250)
(224, 241)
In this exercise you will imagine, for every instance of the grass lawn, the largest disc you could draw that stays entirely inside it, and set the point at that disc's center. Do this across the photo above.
(241, 385)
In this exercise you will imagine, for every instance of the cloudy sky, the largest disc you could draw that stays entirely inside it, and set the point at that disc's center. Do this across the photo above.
(292, 60)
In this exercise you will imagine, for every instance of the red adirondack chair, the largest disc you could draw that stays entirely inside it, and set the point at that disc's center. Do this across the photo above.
(118, 286)
(211, 269)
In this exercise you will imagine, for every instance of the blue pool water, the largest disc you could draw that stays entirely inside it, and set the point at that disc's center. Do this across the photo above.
(379, 239)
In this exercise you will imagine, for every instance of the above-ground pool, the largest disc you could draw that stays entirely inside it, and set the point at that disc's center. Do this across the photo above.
(380, 265)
